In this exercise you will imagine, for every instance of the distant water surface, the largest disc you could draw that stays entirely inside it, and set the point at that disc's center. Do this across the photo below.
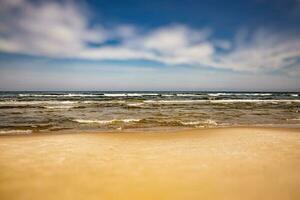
(38, 112)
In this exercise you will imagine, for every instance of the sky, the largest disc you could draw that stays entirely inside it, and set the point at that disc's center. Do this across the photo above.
(212, 45)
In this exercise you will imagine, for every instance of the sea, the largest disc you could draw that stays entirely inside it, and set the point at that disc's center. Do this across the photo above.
(53, 112)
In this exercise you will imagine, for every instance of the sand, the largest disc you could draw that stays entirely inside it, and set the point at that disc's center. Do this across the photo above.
(225, 163)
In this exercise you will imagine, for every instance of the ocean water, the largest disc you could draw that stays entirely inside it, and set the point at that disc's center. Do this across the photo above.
(39, 112)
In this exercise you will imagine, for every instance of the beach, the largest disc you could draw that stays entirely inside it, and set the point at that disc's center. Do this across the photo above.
(215, 163)
(149, 100)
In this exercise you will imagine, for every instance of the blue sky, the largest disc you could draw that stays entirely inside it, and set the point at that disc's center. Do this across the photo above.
(150, 45)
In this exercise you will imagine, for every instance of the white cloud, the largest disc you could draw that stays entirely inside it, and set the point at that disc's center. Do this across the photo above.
(62, 30)
(114, 53)
(262, 51)
(49, 29)
(167, 39)
(176, 44)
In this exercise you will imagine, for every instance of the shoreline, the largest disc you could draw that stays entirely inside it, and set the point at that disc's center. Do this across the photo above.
(215, 163)
(156, 130)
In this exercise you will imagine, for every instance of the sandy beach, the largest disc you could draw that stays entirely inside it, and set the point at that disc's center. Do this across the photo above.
(223, 163)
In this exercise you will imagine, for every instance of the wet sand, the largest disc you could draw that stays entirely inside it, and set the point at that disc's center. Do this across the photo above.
(225, 163)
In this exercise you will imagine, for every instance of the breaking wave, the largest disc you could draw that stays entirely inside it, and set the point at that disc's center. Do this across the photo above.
(239, 94)
(103, 110)
(88, 121)
(11, 132)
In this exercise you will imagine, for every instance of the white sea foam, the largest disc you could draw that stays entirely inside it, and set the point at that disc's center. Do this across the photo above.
(187, 95)
(102, 102)
(81, 95)
(129, 94)
(221, 101)
(87, 121)
(36, 102)
(135, 104)
(256, 94)
(218, 94)
(294, 95)
(64, 103)
(59, 107)
(294, 119)
(129, 120)
(15, 132)
(37, 95)
(167, 95)
(114, 95)
(191, 123)
(59, 95)
(141, 94)
(173, 101)
(255, 101)
(239, 94)
(208, 122)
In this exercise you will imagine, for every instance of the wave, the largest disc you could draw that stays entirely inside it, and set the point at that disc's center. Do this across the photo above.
(167, 95)
(188, 95)
(91, 95)
(173, 101)
(82, 95)
(35, 102)
(218, 94)
(256, 94)
(85, 121)
(129, 94)
(55, 103)
(103, 102)
(68, 104)
(60, 95)
(147, 94)
(239, 94)
(191, 123)
(141, 94)
(294, 119)
(208, 122)
(37, 95)
(9, 132)
(135, 104)
(114, 95)
(4, 106)
(179, 123)
(59, 107)
(255, 101)
(222, 101)
(88, 121)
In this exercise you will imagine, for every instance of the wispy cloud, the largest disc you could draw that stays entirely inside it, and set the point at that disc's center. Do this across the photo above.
(63, 30)
(48, 28)
(262, 51)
